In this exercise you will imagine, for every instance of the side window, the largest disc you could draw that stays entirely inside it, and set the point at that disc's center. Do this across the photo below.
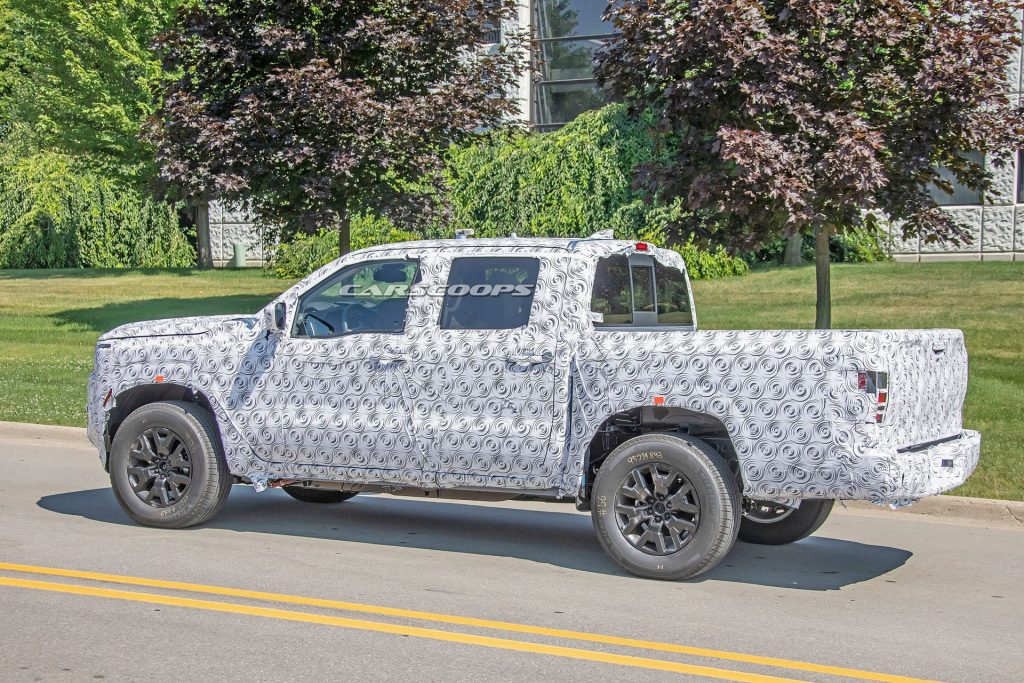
(613, 295)
(673, 296)
(639, 292)
(489, 293)
(363, 297)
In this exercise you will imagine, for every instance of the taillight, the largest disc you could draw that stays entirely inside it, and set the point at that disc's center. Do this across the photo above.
(876, 385)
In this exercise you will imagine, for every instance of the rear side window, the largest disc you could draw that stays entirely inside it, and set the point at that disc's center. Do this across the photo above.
(613, 293)
(673, 296)
(489, 293)
(638, 291)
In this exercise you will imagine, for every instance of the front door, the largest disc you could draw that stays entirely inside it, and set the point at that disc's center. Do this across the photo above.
(332, 404)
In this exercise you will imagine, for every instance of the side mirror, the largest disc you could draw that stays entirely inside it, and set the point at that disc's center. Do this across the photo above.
(280, 316)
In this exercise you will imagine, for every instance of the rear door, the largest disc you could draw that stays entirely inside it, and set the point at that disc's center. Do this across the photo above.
(482, 378)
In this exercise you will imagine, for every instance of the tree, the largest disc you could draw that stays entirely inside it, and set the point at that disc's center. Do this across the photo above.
(85, 79)
(314, 110)
(818, 115)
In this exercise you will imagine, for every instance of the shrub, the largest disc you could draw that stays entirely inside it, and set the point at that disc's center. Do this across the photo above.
(568, 183)
(708, 265)
(54, 216)
(855, 246)
(305, 253)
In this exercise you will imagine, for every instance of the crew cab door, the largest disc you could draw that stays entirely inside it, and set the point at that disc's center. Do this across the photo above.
(482, 375)
(331, 405)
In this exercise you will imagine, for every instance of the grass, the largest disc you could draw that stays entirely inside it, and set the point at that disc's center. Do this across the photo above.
(49, 321)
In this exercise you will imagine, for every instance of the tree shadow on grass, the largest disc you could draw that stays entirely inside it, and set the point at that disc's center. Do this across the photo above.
(554, 537)
(109, 316)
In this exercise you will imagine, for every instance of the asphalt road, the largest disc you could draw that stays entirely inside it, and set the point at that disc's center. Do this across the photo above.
(383, 588)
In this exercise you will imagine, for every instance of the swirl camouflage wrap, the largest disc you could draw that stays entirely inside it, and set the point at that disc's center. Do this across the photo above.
(434, 406)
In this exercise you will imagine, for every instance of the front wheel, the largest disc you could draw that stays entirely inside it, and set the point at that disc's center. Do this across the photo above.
(665, 506)
(770, 524)
(167, 466)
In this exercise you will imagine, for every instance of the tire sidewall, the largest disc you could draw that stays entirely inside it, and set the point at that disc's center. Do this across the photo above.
(798, 525)
(203, 458)
(699, 470)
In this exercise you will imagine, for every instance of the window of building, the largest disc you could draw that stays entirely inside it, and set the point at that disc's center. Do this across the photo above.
(489, 293)
(1020, 177)
(639, 291)
(363, 297)
(568, 33)
(961, 193)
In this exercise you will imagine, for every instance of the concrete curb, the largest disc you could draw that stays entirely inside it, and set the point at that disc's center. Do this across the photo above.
(1008, 512)
(34, 432)
(978, 509)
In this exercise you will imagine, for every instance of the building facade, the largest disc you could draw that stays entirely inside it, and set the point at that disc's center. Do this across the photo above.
(566, 35)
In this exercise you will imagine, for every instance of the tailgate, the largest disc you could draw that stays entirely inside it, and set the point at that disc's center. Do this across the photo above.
(927, 385)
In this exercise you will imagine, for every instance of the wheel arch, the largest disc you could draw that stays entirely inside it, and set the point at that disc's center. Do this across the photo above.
(647, 419)
(130, 400)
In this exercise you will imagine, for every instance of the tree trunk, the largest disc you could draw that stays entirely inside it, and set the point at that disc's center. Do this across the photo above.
(823, 317)
(204, 253)
(794, 245)
(344, 232)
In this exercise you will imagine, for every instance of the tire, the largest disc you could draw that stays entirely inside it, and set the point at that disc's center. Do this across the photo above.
(153, 432)
(789, 527)
(704, 517)
(320, 496)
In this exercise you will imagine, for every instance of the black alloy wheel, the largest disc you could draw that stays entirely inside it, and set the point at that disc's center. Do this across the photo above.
(159, 467)
(657, 509)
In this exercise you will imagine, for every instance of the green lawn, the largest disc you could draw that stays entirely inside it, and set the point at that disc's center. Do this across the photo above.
(49, 321)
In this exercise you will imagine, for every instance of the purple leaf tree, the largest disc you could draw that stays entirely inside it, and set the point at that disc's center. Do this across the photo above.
(310, 110)
(793, 116)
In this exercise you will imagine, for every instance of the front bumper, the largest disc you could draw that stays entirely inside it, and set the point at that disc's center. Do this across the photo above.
(900, 477)
(96, 417)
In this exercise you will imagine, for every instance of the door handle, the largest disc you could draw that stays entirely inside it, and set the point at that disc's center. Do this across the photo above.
(532, 358)
(387, 358)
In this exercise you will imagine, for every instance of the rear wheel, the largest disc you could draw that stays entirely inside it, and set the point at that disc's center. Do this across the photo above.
(665, 506)
(322, 496)
(167, 466)
(772, 524)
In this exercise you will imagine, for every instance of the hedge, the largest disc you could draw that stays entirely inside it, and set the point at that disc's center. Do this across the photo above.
(53, 215)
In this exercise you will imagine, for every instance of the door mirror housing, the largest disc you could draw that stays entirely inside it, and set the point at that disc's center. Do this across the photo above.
(280, 316)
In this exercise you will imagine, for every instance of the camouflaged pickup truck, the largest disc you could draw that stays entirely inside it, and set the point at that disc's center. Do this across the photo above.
(566, 369)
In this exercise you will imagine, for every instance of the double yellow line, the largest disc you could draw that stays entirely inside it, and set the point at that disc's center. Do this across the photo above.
(428, 633)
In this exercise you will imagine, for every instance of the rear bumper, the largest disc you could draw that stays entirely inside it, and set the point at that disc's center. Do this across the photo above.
(901, 477)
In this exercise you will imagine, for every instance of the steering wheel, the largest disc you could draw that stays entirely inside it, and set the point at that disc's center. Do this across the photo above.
(312, 316)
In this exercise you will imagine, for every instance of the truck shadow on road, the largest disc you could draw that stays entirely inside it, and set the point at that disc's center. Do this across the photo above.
(555, 537)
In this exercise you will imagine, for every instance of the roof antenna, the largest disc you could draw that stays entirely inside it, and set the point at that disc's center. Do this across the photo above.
(463, 233)
(603, 235)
